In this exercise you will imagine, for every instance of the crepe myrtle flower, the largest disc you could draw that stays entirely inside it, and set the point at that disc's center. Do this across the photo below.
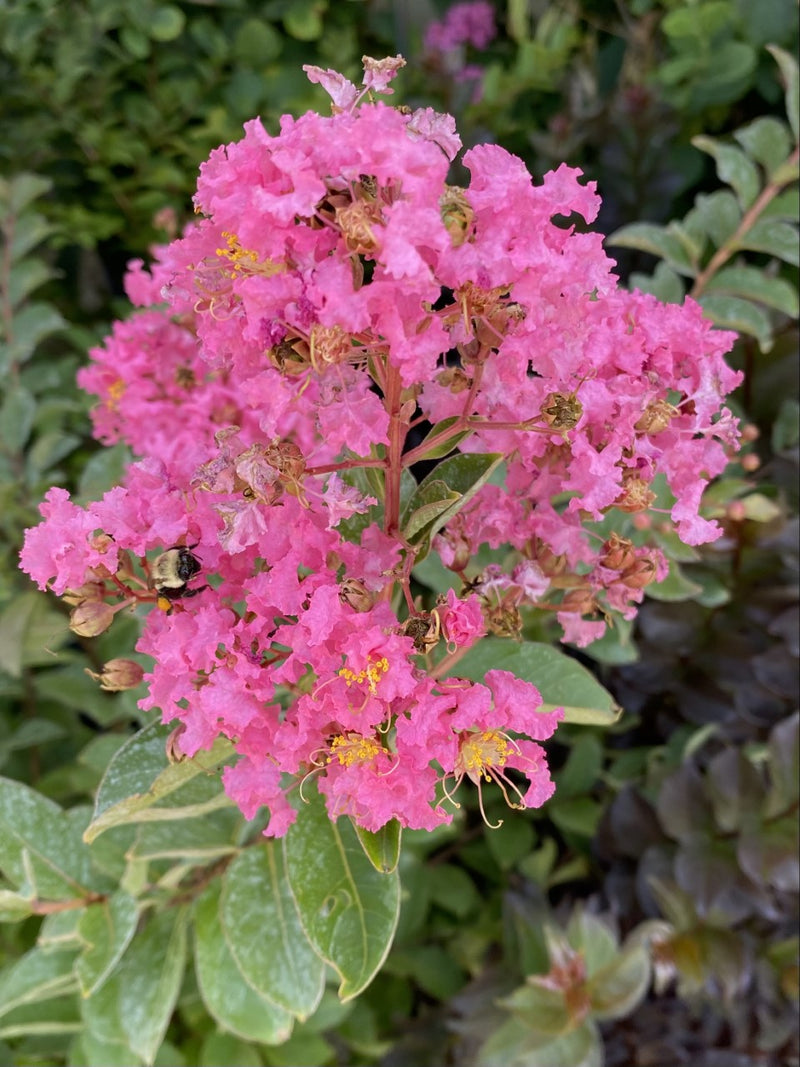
(334, 294)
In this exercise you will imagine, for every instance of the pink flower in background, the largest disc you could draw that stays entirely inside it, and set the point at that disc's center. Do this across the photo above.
(469, 23)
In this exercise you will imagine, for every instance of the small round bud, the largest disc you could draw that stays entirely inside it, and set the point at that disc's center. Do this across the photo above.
(736, 511)
(579, 600)
(640, 574)
(750, 462)
(119, 674)
(90, 618)
(355, 593)
(618, 553)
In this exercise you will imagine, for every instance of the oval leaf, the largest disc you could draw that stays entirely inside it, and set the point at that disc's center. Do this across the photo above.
(140, 775)
(235, 1005)
(382, 847)
(264, 934)
(561, 680)
(348, 910)
(106, 929)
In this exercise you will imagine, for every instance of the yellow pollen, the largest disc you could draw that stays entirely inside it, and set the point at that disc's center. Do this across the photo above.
(115, 391)
(484, 750)
(352, 748)
(244, 260)
(371, 674)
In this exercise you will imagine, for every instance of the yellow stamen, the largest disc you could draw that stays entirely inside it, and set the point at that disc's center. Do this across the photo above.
(371, 674)
(352, 748)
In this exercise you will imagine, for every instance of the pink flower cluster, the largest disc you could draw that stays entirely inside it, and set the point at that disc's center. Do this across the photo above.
(471, 22)
(334, 295)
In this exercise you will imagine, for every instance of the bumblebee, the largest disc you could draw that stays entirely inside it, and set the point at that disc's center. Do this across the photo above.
(170, 574)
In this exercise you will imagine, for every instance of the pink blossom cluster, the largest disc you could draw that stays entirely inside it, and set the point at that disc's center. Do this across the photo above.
(470, 22)
(334, 296)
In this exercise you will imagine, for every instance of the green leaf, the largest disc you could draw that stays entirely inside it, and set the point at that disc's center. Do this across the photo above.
(106, 928)
(537, 1005)
(21, 190)
(789, 70)
(381, 847)
(303, 19)
(25, 279)
(576, 815)
(41, 846)
(436, 451)
(767, 141)
(754, 284)
(582, 769)
(264, 933)
(664, 284)
(560, 679)
(774, 237)
(34, 977)
(718, 213)
(14, 907)
(454, 482)
(234, 1004)
(30, 632)
(676, 586)
(135, 1003)
(208, 837)
(658, 241)
(348, 910)
(139, 776)
(32, 323)
(16, 418)
(735, 313)
(618, 988)
(166, 23)
(733, 167)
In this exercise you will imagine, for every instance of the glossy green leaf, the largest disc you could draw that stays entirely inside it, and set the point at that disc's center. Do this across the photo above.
(789, 70)
(14, 907)
(264, 933)
(106, 929)
(21, 190)
(41, 846)
(348, 909)
(140, 776)
(381, 847)
(432, 450)
(35, 977)
(774, 237)
(135, 1003)
(30, 632)
(618, 988)
(754, 284)
(560, 679)
(32, 323)
(454, 481)
(208, 837)
(663, 283)
(733, 167)
(16, 418)
(658, 241)
(767, 141)
(676, 586)
(232, 1001)
(542, 1008)
(719, 213)
(736, 313)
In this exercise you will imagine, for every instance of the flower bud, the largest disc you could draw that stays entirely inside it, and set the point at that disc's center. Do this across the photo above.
(87, 591)
(580, 601)
(118, 674)
(750, 462)
(640, 574)
(504, 620)
(355, 593)
(90, 618)
(618, 553)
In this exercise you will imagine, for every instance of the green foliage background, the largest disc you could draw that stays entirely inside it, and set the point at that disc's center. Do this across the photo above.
(648, 913)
